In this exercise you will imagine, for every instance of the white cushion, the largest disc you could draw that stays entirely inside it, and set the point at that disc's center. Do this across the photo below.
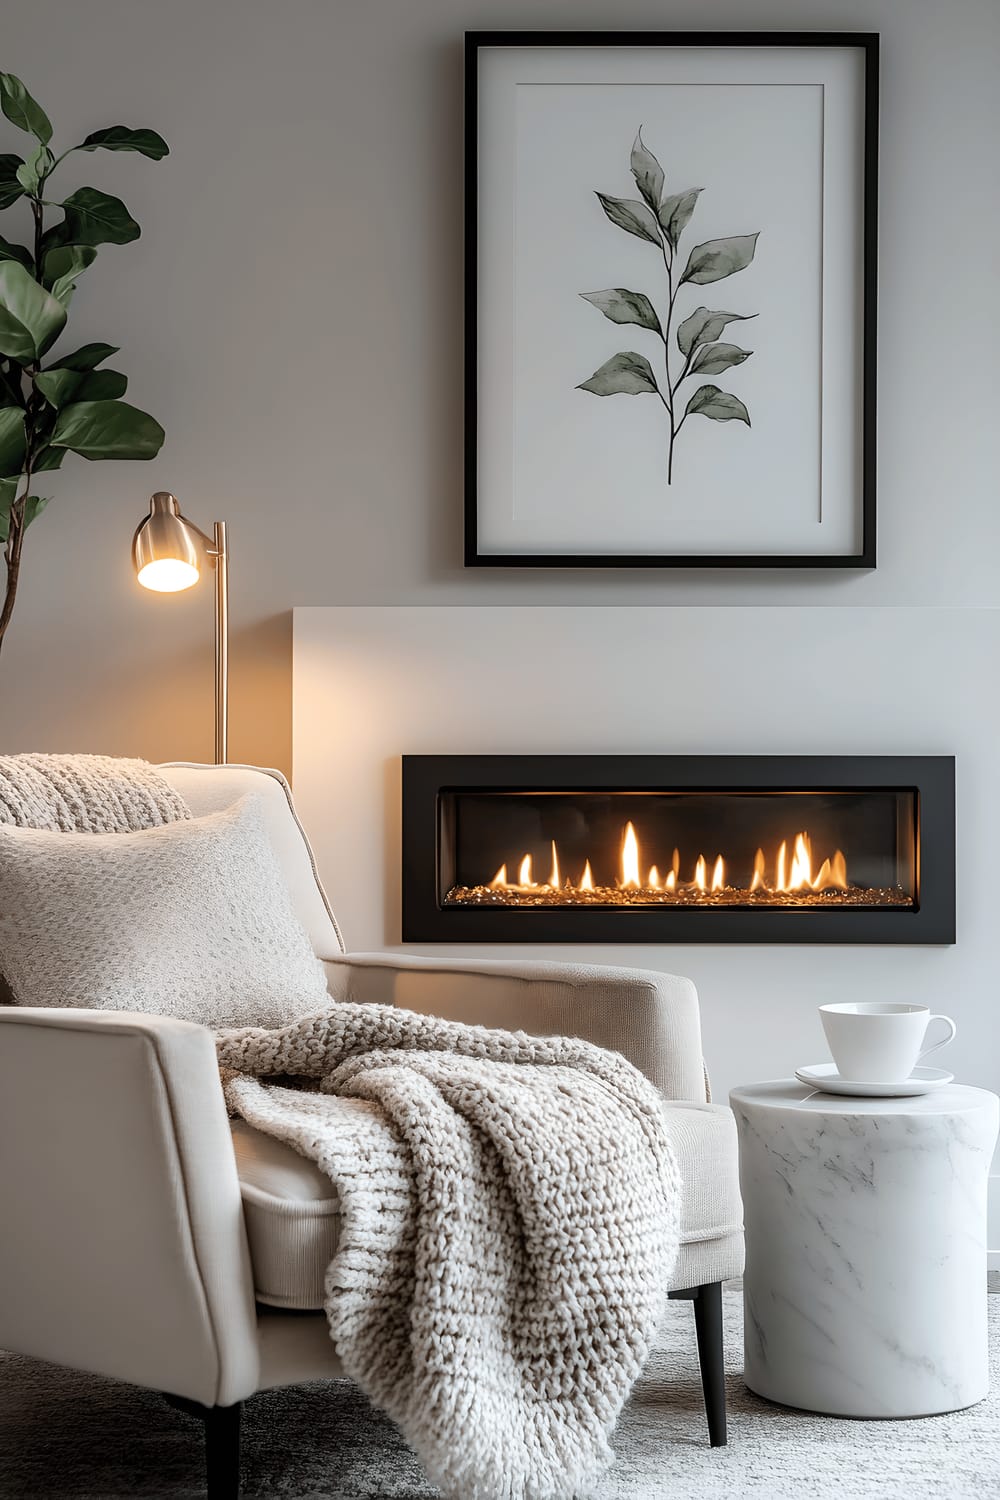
(293, 1217)
(208, 789)
(192, 920)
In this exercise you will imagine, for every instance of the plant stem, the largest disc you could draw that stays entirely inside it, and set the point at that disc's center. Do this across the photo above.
(16, 526)
(668, 261)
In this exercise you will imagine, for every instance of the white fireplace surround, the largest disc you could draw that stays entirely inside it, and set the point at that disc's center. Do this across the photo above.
(371, 684)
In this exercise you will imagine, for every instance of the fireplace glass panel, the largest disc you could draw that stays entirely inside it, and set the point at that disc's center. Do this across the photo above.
(624, 850)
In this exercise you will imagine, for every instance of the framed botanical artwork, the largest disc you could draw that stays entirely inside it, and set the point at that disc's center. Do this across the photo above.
(670, 299)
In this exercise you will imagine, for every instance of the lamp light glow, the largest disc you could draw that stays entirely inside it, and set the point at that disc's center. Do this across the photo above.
(168, 575)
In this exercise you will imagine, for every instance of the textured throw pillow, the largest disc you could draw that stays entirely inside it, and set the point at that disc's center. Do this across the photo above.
(193, 919)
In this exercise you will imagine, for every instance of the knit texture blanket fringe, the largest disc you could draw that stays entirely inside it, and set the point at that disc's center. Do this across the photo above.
(510, 1218)
(86, 794)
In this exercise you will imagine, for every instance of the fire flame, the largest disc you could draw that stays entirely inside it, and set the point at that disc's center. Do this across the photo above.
(789, 875)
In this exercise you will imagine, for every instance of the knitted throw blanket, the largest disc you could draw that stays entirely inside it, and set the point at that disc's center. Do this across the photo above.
(85, 794)
(510, 1210)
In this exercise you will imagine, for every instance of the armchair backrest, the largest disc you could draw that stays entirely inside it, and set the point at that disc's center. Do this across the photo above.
(123, 1249)
(208, 789)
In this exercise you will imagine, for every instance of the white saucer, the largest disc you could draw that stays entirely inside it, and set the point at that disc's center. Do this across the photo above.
(824, 1076)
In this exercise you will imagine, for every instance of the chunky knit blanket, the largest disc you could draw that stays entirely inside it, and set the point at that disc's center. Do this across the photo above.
(85, 794)
(510, 1212)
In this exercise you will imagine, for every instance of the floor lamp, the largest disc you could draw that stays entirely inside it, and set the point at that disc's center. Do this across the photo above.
(166, 550)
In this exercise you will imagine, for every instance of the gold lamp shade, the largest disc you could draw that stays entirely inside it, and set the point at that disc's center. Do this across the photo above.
(165, 547)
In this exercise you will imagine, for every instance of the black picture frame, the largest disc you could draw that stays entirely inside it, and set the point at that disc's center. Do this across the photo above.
(868, 44)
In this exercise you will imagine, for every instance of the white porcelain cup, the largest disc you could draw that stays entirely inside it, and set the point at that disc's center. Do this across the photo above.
(879, 1042)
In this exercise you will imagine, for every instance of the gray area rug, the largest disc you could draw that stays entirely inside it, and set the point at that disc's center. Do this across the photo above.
(64, 1434)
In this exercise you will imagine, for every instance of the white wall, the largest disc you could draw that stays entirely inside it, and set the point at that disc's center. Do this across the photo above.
(373, 684)
(292, 315)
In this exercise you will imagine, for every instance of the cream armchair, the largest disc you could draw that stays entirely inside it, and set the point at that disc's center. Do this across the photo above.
(149, 1239)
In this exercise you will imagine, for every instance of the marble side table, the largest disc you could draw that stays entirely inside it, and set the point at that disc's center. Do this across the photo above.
(865, 1283)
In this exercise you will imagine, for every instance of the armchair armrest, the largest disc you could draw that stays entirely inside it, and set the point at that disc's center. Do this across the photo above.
(651, 1018)
(123, 1248)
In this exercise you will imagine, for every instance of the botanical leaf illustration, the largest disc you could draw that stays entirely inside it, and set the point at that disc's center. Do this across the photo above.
(661, 219)
(718, 258)
(23, 111)
(709, 401)
(10, 187)
(622, 375)
(622, 306)
(648, 173)
(674, 213)
(12, 440)
(30, 318)
(121, 138)
(634, 218)
(714, 358)
(703, 327)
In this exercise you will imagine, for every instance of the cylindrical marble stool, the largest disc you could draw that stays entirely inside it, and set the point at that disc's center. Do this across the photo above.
(865, 1283)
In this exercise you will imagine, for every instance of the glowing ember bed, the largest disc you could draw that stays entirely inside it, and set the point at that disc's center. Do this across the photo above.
(679, 849)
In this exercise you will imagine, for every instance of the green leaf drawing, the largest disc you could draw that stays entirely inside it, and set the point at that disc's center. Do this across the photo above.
(30, 317)
(13, 441)
(20, 253)
(623, 306)
(10, 185)
(662, 219)
(709, 401)
(622, 375)
(647, 172)
(714, 358)
(121, 138)
(23, 111)
(635, 218)
(62, 266)
(716, 259)
(86, 358)
(704, 327)
(107, 429)
(94, 218)
(674, 213)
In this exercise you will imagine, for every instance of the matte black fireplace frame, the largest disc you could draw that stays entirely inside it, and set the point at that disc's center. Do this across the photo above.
(930, 921)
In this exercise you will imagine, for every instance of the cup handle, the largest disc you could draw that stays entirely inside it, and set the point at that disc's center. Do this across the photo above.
(952, 1028)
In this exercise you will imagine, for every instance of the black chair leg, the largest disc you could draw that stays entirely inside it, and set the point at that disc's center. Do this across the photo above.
(222, 1451)
(708, 1326)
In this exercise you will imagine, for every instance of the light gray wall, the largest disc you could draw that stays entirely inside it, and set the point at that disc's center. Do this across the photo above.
(292, 315)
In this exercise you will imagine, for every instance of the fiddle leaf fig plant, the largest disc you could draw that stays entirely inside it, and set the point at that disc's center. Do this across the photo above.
(53, 406)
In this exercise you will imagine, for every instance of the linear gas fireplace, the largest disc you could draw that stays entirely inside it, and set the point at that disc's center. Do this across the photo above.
(679, 849)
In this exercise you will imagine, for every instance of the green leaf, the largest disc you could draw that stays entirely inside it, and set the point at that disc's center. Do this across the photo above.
(675, 211)
(20, 253)
(86, 358)
(709, 401)
(714, 358)
(58, 386)
(32, 173)
(49, 458)
(94, 218)
(622, 375)
(12, 440)
(635, 218)
(23, 111)
(30, 318)
(647, 172)
(622, 306)
(10, 186)
(107, 429)
(121, 138)
(33, 507)
(704, 327)
(8, 494)
(102, 385)
(62, 266)
(718, 258)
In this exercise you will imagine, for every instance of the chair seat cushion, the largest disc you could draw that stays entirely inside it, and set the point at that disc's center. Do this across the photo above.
(293, 1217)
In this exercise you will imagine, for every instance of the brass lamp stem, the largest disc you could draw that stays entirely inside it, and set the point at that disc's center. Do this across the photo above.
(221, 560)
